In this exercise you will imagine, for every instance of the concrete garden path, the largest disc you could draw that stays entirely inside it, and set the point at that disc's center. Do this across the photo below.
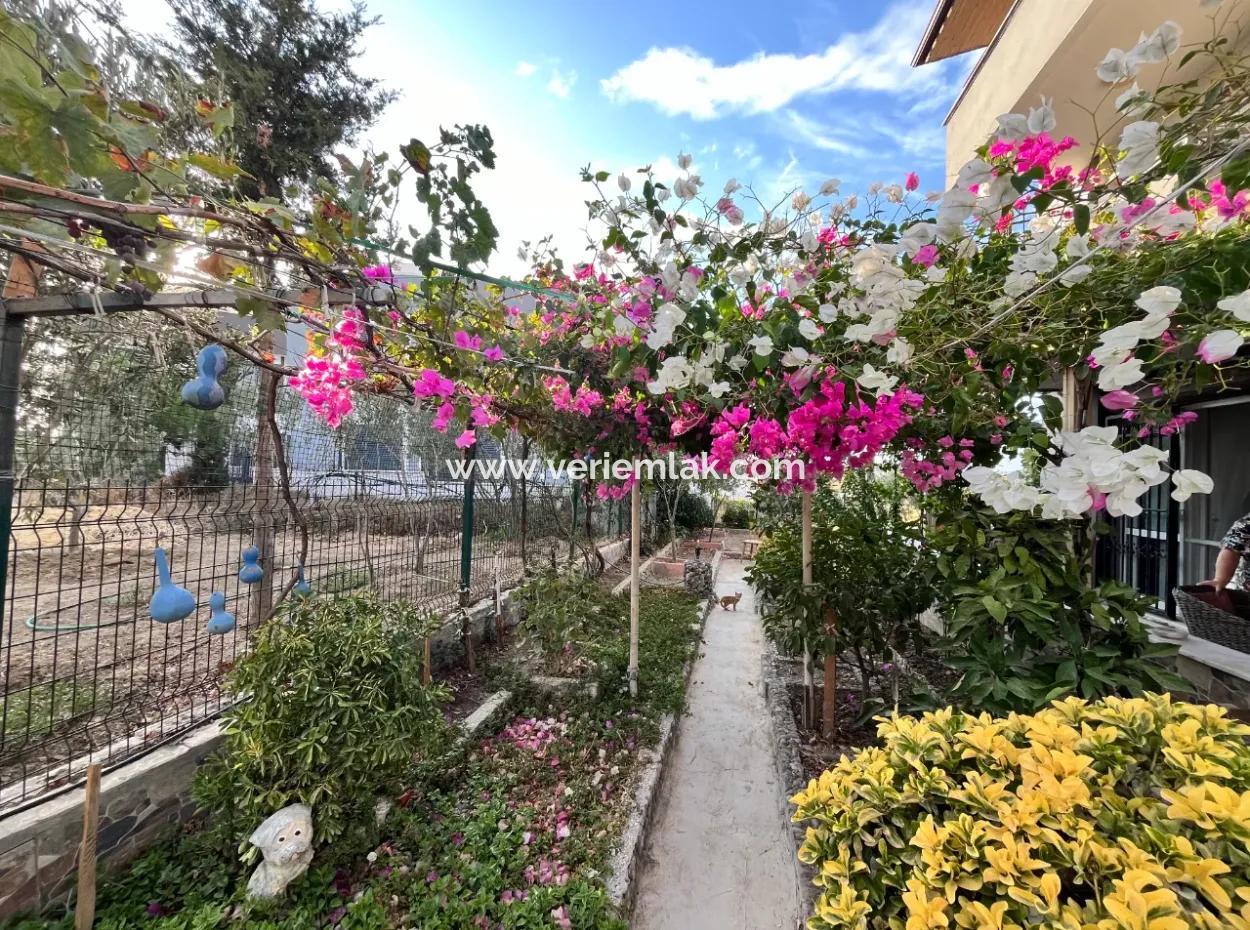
(719, 855)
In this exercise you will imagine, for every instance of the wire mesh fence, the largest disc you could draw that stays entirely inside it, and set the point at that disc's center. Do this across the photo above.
(111, 465)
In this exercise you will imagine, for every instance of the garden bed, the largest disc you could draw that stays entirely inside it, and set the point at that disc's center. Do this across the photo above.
(516, 829)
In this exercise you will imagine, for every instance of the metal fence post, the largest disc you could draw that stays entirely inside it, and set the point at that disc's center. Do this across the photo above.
(22, 282)
(10, 376)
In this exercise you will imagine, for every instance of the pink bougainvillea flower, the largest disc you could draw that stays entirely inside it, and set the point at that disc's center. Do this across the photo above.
(913, 181)
(1119, 399)
(493, 354)
(926, 255)
(465, 341)
(561, 916)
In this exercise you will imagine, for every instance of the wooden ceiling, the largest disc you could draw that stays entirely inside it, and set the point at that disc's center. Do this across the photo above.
(959, 26)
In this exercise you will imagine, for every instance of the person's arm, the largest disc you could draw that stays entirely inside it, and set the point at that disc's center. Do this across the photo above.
(1225, 567)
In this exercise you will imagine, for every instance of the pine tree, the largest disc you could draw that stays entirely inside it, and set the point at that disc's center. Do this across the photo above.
(288, 68)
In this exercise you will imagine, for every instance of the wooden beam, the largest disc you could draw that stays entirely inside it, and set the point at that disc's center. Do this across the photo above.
(220, 298)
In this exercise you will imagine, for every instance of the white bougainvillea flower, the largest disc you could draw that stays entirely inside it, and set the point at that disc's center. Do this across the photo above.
(1042, 119)
(1115, 67)
(1187, 482)
(1133, 101)
(795, 357)
(718, 389)
(827, 313)
(1012, 126)
(1157, 46)
(1238, 305)
(876, 381)
(917, 236)
(684, 161)
(623, 182)
(731, 185)
(667, 319)
(738, 362)
(830, 187)
(899, 353)
(1140, 145)
(687, 188)
(809, 329)
(800, 201)
(1120, 374)
(675, 373)
(974, 173)
(1220, 346)
(762, 344)
(1159, 300)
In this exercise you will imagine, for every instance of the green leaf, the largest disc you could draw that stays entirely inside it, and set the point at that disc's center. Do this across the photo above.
(1080, 218)
(417, 154)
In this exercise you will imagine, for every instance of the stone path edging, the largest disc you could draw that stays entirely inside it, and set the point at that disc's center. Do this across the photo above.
(789, 764)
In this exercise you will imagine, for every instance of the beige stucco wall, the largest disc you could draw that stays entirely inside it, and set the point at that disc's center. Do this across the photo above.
(1052, 47)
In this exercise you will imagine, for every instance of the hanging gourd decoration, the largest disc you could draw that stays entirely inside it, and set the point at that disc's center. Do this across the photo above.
(251, 572)
(204, 392)
(169, 603)
(302, 587)
(219, 622)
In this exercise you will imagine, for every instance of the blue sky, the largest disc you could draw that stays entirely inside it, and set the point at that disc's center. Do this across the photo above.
(779, 96)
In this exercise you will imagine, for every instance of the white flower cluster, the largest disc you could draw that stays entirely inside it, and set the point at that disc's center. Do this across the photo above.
(1118, 368)
(1092, 472)
(1119, 65)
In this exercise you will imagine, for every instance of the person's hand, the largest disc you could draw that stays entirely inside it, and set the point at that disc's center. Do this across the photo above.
(1214, 583)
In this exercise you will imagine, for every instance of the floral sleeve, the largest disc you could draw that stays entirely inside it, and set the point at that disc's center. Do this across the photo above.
(1238, 536)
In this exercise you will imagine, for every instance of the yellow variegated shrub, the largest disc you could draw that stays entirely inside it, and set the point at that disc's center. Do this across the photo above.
(1124, 813)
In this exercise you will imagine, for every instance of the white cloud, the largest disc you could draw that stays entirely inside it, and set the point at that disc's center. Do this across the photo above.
(525, 68)
(561, 82)
(682, 81)
(820, 135)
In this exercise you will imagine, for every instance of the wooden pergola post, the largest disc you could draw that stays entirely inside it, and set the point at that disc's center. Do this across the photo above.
(635, 570)
(805, 547)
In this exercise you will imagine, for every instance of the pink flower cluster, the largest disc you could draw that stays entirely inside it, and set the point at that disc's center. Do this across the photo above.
(1039, 151)
(326, 384)
(833, 432)
(928, 473)
(349, 332)
(584, 401)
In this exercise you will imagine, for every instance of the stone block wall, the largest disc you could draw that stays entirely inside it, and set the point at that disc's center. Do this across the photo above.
(138, 801)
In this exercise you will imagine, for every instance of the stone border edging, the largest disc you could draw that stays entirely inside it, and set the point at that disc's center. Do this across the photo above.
(789, 764)
(623, 872)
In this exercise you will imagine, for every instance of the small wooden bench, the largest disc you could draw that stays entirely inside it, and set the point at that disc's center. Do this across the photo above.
(748, 548)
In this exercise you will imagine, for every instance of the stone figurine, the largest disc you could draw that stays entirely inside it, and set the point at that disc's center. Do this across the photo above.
(285, 840)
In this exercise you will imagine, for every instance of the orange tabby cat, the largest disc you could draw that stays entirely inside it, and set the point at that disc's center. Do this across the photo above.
(730, 601)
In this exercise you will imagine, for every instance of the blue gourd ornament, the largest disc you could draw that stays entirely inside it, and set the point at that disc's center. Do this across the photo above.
(302, 587)
(204, 392)
(251, 572)
(169, 603)
(219, 622)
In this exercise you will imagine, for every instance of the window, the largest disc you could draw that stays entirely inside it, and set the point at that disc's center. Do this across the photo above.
(1218, 443)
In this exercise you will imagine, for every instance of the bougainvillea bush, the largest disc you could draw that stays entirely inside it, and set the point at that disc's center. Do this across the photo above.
(1129, 813)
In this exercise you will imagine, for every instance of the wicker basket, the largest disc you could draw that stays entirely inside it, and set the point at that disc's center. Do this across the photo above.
(1222, 618)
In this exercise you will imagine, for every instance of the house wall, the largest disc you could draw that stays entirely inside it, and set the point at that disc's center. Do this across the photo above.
(1052, 48)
